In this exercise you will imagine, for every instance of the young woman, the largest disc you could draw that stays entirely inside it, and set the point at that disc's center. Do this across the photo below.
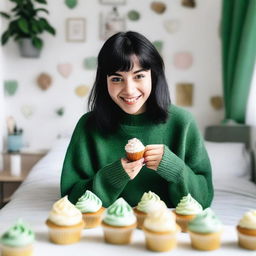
(130, 99)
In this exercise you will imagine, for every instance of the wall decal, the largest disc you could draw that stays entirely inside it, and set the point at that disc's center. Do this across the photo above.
(183, 60)
(60, 111)
(27, 111)
(111, 23)
(172, 26)
(10, 87)
(82, 90)
(217, 102)
(159, 45)
(133, 15)
(184, 94)
(90, 63)
(75, 29)
(44, 81)
(189, 3)
(71, 3)
(158, 7)
(65, 69)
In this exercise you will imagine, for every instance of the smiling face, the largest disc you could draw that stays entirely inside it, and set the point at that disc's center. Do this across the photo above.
(130, 90)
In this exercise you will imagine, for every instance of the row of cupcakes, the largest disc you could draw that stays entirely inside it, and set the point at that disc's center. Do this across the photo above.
(160, 224)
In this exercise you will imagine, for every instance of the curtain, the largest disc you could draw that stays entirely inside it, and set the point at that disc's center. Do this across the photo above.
(238, 34)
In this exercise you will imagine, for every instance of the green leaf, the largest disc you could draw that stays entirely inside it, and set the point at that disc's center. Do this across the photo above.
(41, 1)
(5, 15)
(23, 25)
(5, 37)
(37, 42)
(41, 10)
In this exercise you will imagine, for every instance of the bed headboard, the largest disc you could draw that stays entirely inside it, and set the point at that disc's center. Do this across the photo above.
(233, 133)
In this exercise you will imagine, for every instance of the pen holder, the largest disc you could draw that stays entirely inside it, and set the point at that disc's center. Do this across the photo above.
(14, 142)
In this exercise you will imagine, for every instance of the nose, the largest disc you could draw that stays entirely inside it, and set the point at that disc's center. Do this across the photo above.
(129, 87)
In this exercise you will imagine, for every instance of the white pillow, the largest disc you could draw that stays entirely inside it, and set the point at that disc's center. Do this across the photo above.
(229, 159)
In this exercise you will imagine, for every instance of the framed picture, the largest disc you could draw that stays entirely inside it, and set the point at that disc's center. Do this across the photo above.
(75, 30)
(111, 23)
(113, 2)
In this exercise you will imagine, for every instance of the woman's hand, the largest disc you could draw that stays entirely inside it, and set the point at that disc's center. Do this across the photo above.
(132, 168)
(153, 155)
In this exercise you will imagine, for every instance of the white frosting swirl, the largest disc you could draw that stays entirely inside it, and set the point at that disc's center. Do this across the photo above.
(160, 220)
(134, 145)
(248, 220)
(64, 213)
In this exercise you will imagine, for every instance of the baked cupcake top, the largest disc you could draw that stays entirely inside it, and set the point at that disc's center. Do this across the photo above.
(160, 220)
(149, 202)
(88, 202)
(20, 234)
(188, 206)
(134, 145)
(64, 213)
(120, 213)
(248, 220)
(205, 222)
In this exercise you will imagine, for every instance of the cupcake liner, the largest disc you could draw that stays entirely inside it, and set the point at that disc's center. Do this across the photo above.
(134, 156)
(141, 216)
(118, 235)
(17, 251)
(161, 241)
(247, 241)
(65, 235)
(94, 219)
(205, 242)
(183, 220)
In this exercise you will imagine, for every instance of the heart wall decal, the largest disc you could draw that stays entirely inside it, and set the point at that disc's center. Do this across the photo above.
(65, 69)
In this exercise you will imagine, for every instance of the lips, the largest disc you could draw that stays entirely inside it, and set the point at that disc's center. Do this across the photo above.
(131, 100)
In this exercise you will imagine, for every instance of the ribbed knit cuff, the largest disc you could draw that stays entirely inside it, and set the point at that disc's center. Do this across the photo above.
(171, 167)
(116, 175)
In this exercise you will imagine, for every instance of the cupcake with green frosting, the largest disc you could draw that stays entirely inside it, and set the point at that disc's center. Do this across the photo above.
(18, 240)
(91, 208)
(205, 231)
(118, 222)
(186, 210)
(149, 202)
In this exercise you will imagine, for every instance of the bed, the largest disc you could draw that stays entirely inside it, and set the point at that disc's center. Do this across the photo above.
(235, 193)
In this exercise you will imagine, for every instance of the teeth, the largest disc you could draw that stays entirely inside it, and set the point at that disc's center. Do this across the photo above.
(131, 99)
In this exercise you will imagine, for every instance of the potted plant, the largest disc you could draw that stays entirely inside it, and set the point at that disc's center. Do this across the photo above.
(26, 25)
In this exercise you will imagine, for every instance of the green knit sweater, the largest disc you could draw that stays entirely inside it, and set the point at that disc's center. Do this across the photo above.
(93, 161)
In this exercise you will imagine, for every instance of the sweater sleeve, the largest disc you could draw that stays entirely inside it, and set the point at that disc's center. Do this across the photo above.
(79, 172)
(188, 170)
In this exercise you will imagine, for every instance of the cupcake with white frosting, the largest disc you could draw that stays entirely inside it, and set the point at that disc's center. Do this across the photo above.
(186, 210)
(161, 230)
(91, 208)
(65, 222)
(118, 223)
(134, 149)
(246, 230)
(148, 202)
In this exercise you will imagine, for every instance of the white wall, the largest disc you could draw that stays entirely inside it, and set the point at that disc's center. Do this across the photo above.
(198, 34)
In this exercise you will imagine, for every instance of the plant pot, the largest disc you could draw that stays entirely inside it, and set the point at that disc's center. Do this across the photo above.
(27, 49)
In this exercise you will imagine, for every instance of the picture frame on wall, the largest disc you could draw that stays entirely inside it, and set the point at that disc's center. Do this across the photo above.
(75, 29)
(113, 2)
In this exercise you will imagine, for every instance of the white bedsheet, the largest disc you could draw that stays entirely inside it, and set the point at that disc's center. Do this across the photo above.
(34, 198)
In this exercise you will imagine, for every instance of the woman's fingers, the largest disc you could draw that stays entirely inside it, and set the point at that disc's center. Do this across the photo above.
(132, 168)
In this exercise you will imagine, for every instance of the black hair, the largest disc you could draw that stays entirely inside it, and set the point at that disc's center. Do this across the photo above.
(116, 55)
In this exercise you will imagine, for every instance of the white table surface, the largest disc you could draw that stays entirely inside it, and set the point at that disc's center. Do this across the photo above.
(92, 243)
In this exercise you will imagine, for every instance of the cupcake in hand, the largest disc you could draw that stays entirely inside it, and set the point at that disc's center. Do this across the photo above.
(160, 230)
(91, 208)
(148, 202)
(134, 149)
(18, 240)
(205, 231)
(186, 210)
(65, 222)
(246, 230)
(119, 222)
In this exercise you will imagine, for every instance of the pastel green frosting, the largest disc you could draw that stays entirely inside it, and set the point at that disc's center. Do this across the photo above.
(88, 202)
(205, 222)
(188, 206)
(120, 213)
(18, 235)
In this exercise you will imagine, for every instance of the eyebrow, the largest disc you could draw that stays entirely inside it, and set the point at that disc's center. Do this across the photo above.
(135, 72)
